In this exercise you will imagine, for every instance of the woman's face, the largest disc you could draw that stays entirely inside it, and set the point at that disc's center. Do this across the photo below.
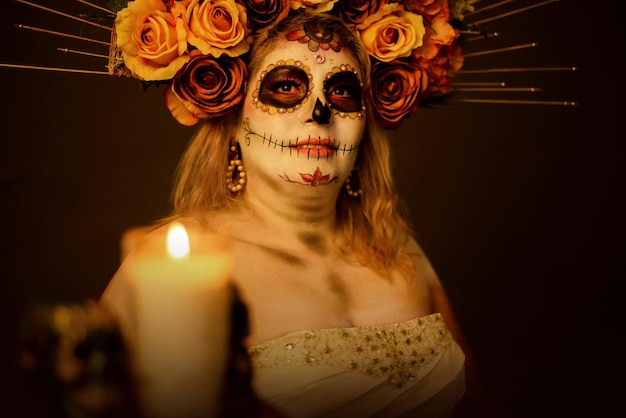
(303, 117)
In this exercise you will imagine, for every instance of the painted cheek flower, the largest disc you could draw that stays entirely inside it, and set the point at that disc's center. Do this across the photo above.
(218, 27)
(395, 91)
(151, 39)
(391, 33)
(206, 88)
(313, 6)
(316, 179)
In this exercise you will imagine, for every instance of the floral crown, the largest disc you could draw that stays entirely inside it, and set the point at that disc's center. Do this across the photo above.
(200, 47)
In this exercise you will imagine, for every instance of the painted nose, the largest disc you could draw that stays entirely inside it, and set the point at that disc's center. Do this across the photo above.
(321, 113)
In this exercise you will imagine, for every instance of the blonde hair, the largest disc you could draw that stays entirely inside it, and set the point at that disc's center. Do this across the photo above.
(373, 226)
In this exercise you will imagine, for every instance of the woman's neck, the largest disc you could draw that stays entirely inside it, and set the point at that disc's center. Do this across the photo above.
(293, 209)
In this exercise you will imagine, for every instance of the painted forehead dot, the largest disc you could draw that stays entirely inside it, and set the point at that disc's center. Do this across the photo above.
(320, 59)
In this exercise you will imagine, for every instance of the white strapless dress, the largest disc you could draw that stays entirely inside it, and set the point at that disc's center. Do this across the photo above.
(409, 369)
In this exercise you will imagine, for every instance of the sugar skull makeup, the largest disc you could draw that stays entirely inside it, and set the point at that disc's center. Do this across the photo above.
(285, 86)
(343, 90)
(303, 119)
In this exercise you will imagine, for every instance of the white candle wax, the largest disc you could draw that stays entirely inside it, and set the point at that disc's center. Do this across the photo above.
(183, 325)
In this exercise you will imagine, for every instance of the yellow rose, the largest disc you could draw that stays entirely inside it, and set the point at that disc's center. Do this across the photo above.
(151, 39)
(218, 27)
(313, 6)
(392, 32)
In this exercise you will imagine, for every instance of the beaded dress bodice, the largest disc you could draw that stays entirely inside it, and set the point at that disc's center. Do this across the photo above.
(412, 368)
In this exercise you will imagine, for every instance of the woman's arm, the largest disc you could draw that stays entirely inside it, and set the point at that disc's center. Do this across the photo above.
(118, 299)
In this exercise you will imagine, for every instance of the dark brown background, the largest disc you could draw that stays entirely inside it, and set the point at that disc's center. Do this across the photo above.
(520, 208)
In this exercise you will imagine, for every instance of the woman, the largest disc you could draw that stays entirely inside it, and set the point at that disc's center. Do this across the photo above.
(347, 317)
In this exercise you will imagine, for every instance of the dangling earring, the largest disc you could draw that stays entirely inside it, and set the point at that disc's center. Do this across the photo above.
(352, 180)
(236, 175)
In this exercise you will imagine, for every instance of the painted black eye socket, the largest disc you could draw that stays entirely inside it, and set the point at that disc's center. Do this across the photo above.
(343, 92)
(284, 86)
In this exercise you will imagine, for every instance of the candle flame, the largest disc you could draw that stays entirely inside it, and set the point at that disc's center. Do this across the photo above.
(177, 241)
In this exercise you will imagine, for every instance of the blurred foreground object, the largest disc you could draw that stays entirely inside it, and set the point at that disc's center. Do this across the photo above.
(74, 362)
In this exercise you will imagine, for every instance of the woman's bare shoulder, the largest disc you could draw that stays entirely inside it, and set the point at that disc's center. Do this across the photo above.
(411, 246)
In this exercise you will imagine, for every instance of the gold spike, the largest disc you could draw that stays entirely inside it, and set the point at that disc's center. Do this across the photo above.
(486, 35)
(512, 12)
(470, 32)
(494, 51)
(493, 6)
(73, 51)
(520, 69)
(529, 102)
(89, 22)
(66, 35)
(95, 6)
(500, 89)
(479, 83)
(64, 70)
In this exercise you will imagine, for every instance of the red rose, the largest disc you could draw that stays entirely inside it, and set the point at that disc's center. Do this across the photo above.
(396, 88)
(354, 12)
(442, 69)
(264, 12)
(428, 8)
(207, 87)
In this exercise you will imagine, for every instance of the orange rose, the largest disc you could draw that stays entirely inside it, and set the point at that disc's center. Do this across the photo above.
(207, 88)
(218, 27)
(151, 39)
(395, 90)
(442, 69)
(391, 33)
(439, 31)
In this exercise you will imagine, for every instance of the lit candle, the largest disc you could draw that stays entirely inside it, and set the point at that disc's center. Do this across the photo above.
(183, 302)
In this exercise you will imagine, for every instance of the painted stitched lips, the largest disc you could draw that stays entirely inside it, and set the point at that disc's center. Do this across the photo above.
(315, 147)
